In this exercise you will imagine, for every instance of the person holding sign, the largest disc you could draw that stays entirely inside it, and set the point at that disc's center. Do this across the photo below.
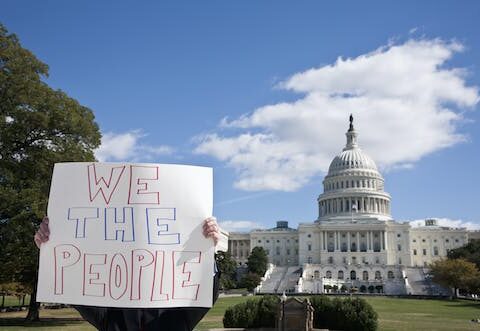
(143, 319)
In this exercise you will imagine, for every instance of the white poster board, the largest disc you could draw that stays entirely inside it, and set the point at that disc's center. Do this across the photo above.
(128, 235)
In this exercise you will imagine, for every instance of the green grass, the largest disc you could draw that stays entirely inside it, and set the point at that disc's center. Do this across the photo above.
(214, 317)
(413, 314)
(11, 300)
(394, 314)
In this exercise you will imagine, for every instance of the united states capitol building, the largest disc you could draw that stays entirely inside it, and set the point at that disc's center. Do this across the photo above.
(355, 242)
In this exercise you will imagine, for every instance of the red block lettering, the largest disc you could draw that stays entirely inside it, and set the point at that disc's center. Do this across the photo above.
(118, 277)
(141, 258)
(183, 263)
(100, 185)
(138, 192)
(65, 256)
(92, 286)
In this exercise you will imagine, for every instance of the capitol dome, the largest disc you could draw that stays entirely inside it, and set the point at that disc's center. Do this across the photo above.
(353, 185)
(353, 158)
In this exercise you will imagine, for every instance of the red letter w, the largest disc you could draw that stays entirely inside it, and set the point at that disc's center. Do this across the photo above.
(98, 185)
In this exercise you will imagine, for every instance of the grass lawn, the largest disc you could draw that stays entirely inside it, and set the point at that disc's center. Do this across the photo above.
(394, 314)
(11, 300)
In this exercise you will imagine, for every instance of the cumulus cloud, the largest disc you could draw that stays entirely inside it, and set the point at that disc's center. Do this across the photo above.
(239, 226)
(449, 223)
(128, 147)
(406, 101)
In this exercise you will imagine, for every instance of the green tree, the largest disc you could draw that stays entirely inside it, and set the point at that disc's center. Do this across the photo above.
(39, 126)
(258, 261)
(469, 252)
(455, 273)
(250, 281)
(228, 267)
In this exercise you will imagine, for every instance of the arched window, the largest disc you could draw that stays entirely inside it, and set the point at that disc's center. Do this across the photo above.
(328, 274)
(353, 275)
(365, 275)
(435, 250)
(340, 274)
(378, 275)
(309, 259)
(316, 274)
(390, 275)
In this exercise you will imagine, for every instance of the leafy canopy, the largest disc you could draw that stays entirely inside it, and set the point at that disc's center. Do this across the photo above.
(39, 126)
(228, 267)
(258, 261)
(455, 273)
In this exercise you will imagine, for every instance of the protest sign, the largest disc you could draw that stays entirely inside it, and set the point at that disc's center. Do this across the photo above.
(128, 235)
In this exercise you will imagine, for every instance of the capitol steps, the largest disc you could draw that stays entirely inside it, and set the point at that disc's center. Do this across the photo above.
(418, 282)
(271, 284)
(290, 279)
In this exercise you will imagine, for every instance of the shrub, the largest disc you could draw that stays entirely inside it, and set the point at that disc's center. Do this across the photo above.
(252, 313)
(338, 314)
(250, 281)
(343, 314)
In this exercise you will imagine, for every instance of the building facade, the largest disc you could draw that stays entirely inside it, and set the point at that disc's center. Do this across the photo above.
(354, 242)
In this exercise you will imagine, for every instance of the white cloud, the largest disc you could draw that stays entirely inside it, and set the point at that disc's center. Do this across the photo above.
(406, 102)
(128, 147)
(449, 223)
(239, 226)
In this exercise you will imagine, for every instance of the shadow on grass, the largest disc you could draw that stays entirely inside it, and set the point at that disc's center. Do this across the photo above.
(461, 303)
(44, 322)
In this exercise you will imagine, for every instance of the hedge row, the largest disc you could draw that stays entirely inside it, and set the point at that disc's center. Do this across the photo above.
(347, 314)
(252, 313)
(338, 314)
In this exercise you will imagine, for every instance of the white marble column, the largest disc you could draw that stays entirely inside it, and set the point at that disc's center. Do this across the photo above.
(348, 242)
(385, 239)
(320, 235)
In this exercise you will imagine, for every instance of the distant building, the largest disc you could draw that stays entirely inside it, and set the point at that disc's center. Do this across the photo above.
(354, 242)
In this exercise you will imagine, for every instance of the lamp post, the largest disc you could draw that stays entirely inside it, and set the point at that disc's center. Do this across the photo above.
(283, 299)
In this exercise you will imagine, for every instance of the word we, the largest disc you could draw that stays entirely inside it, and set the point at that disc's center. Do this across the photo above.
(139, 178)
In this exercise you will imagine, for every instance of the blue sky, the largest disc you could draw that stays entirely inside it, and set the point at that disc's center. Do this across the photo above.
(261, 92)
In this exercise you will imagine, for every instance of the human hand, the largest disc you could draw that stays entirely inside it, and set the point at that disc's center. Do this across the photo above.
(43, 233)
(211, 229)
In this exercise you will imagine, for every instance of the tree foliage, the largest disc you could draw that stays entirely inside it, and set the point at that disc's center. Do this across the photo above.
(455, 273)
(250, 281)
(39, 126)
(253, 313)
(258, 261)
(227, 266)
(469, 252)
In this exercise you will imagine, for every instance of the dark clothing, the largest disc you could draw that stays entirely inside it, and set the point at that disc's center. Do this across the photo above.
(146, 319)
